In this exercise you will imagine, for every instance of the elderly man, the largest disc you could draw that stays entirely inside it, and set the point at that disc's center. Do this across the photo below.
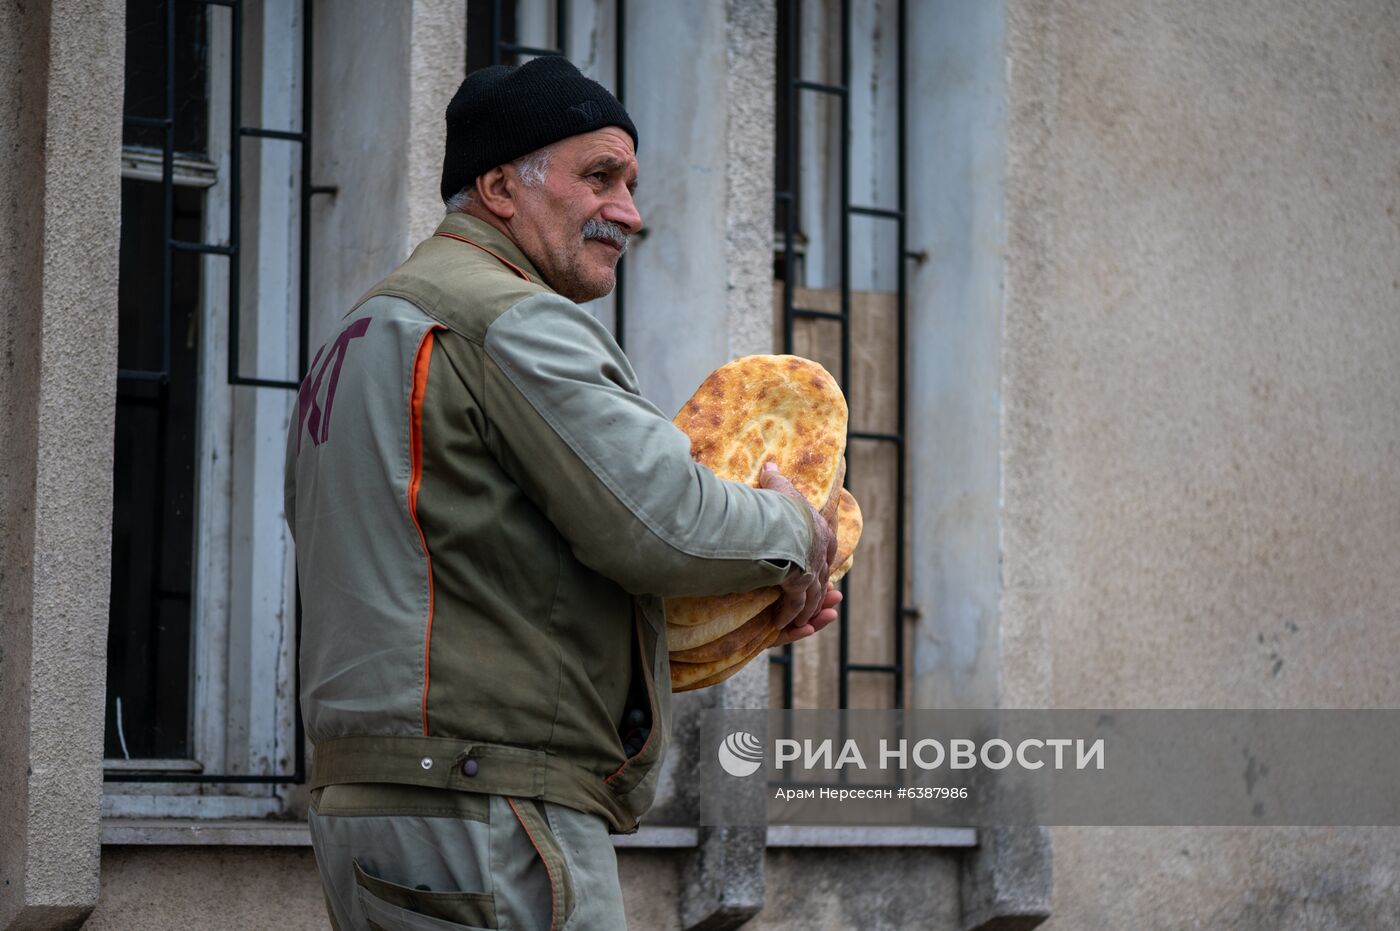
(487, 514)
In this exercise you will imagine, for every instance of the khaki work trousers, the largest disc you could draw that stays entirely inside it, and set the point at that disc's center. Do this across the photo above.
(406, 858)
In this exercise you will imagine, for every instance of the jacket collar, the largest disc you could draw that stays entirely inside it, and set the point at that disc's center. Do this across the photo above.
(491, 239)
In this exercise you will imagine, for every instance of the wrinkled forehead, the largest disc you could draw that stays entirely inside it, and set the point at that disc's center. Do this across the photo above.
(609, 147)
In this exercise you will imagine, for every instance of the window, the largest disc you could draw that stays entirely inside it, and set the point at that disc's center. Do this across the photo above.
(201, 680)
(839, 298)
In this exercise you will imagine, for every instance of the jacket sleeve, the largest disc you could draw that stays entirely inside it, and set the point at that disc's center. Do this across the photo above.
(565, 417)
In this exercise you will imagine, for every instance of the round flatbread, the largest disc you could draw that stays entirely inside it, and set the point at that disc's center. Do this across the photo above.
(735, 641)
(783, 409)
(725, 610)
(687, 676)
(759, 408)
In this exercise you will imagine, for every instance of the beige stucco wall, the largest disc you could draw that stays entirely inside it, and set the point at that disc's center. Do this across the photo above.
(60, 128)
(384, 75)
(1201, 379)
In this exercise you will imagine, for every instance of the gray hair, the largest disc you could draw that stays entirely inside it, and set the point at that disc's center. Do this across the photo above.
(532, 168)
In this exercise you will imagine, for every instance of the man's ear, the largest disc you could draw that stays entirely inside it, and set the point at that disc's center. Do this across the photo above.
(493, 191)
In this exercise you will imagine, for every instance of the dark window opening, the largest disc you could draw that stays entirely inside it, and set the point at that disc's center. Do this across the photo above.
(822, 316)
(164, 244)
(489, 21)
(146, 64)
(148, 639)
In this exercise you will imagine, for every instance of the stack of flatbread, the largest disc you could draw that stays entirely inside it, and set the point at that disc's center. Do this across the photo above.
(783, 409)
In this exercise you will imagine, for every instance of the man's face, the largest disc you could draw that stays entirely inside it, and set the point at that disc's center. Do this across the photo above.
(570, 225)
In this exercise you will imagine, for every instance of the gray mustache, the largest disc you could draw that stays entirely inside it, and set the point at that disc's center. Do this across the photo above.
(606, 229)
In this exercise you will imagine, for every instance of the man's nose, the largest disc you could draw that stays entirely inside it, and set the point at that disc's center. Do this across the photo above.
(622, 210)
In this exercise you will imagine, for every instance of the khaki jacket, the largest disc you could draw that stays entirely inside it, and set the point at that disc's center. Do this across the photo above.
(487, 514)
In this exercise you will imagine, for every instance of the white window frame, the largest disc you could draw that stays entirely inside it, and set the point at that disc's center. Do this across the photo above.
(243, 604)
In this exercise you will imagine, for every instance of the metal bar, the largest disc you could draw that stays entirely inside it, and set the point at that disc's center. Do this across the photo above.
(871, 667)
(142, 375)
(159, 122)
(902, 610)
(264, 383)
(876, 212)
(167, 188)
(561, 26)
(204, 247)
(227, 3)
(307, 189)
(298, 725)
(821, 88)
(496, 40)
(790, 140)
(877, 437)
(260, 133)
(813, 314)
(513, 49)
(303, 337)
(620, 85)
(844, 634)
(235, 181)
(331, 189)
(790, 130)
(620, 52)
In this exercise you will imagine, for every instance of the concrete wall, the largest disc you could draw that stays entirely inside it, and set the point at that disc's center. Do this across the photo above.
(394, 67)
(173, 889)
(957, 145)
(677, 295)
(1202, 331)
(60, 127)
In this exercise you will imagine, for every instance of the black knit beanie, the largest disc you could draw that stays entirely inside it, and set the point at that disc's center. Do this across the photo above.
(503, 112)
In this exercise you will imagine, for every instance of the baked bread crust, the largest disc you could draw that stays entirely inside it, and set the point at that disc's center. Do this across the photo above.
(726, 611)
(783, 409)
(757, 409)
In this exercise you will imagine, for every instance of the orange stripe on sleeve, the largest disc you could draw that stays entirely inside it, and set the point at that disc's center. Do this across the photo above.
(415, 447)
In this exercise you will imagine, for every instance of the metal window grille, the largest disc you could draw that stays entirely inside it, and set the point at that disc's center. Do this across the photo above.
(168, 125)
(790, 85)
(498, 19)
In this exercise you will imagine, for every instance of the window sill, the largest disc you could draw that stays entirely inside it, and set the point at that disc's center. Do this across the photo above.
(230, 832)
(235, 832)
(793, 835)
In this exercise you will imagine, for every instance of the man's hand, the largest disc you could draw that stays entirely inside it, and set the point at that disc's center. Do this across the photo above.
(809, 603)
(825, 616)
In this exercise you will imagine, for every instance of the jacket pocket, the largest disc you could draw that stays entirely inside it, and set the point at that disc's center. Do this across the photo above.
(638, 764)
(392, 907)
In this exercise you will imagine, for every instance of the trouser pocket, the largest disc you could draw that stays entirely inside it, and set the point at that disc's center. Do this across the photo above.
(391, 907)
(561, 885)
